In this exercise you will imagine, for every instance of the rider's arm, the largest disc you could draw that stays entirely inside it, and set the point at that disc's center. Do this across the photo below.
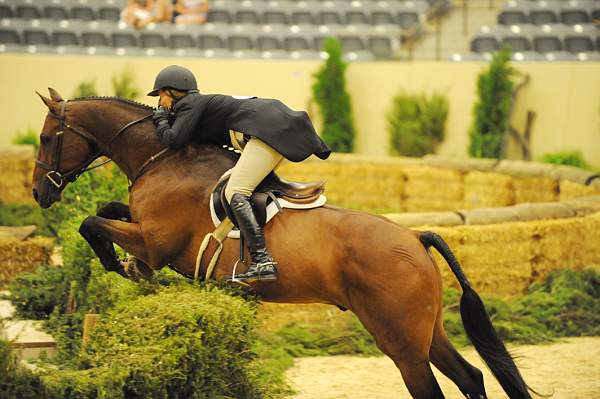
(186, 119)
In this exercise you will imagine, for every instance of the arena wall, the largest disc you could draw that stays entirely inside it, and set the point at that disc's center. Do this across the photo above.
(564, 95)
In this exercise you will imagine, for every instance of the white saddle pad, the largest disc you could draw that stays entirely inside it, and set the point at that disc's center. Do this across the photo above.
(272, 209)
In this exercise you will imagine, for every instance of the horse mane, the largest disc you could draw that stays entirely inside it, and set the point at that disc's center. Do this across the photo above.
(120, 100)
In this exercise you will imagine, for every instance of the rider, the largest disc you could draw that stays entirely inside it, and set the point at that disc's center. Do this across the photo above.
(272, 130)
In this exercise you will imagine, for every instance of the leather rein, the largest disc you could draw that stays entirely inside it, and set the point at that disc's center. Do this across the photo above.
(58, 179)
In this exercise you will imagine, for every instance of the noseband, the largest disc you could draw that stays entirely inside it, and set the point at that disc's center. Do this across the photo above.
(57, 178)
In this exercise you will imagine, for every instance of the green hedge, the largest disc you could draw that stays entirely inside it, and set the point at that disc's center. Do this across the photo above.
(183, 342)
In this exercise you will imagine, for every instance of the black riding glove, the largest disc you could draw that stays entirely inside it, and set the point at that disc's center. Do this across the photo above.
(161, 120)
(160, 114)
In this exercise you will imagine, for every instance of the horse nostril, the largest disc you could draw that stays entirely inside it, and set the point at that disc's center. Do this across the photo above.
(35, 195)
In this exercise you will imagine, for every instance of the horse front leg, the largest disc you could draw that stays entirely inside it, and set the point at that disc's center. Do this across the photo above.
(101, 232)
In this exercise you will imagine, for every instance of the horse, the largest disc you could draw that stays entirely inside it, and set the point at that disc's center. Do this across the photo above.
(382, 272)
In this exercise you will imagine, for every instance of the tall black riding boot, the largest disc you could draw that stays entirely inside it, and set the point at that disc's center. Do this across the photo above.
(262, 266)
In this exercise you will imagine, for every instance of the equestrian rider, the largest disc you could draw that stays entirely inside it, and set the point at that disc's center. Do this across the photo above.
(273, 132)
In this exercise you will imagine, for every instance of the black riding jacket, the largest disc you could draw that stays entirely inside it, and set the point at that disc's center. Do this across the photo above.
(209, 117)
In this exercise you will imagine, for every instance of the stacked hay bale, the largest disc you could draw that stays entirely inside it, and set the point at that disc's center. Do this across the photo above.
(495, 258)
(432, 189)
(354, 182)
(485, 189)
(16, 164)
(19, 255)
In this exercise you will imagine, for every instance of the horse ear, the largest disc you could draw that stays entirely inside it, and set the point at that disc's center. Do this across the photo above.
(54, 95)
(49, 103)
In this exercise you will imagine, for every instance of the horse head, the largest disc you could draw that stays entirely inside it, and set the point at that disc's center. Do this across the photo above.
(63, 150)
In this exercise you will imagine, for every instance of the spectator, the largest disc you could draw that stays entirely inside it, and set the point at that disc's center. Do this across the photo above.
(191, 11)
(140, 13)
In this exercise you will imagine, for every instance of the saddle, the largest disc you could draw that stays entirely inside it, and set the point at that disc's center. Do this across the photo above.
(271, 196)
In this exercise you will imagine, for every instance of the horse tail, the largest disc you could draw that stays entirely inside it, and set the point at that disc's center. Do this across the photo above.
(479, 327)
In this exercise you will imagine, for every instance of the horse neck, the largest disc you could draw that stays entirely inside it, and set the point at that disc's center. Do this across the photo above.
(133, 147)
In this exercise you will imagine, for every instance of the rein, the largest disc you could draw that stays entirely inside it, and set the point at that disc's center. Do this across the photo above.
(58, 179)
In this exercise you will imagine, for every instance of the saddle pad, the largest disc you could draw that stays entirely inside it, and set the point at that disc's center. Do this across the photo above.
(272, 209)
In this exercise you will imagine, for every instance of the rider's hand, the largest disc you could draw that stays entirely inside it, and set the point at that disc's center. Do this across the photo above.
(160, 114)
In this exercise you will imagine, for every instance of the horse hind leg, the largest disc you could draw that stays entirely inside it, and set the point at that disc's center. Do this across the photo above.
(407, 345)
(446, 358)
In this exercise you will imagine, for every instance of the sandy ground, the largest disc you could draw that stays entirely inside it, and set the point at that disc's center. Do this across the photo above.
(569, 368)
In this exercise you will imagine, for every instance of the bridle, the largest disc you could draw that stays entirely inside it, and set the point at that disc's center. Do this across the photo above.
(57, 178)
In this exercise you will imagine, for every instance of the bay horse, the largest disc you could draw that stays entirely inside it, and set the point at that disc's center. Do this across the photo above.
(382, 272)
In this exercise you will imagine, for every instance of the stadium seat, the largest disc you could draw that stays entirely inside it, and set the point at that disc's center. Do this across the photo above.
(56, 13)
(408, 20)
(221, 16)
(579, 44)
(513, 17)
(211, 42)
(543, 16)
(517, 44)
(64, 38)
(9, 36)
(574, 16)
(240, 43)
(268, 43)
(547, 44)
(94, 39)
(381, 47)
(352, 43)
(296, 44)
(36, 37)
(6, 12)
(247, 17)
(28, 12)
(275, 17)
(109, 14)
(357, 17)
(123, 39)
(484, 44)
(329, 17)
(181, 41)
(152, 40)
(83, 13)
(302, 17)
(382, 18)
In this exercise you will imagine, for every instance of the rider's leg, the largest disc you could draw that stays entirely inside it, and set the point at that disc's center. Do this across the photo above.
(256, 161)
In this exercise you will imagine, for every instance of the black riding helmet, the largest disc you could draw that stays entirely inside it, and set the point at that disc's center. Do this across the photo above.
(174, 77)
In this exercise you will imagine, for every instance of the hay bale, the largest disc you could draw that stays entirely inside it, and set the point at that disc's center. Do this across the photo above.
(486, 190)
(16, 166)
(495, 258)
(461, 164)
(17, 256)
(566, 243)
(524, 168)
(535, 189)
(429, 189)
(425, 219)
(569, 189)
